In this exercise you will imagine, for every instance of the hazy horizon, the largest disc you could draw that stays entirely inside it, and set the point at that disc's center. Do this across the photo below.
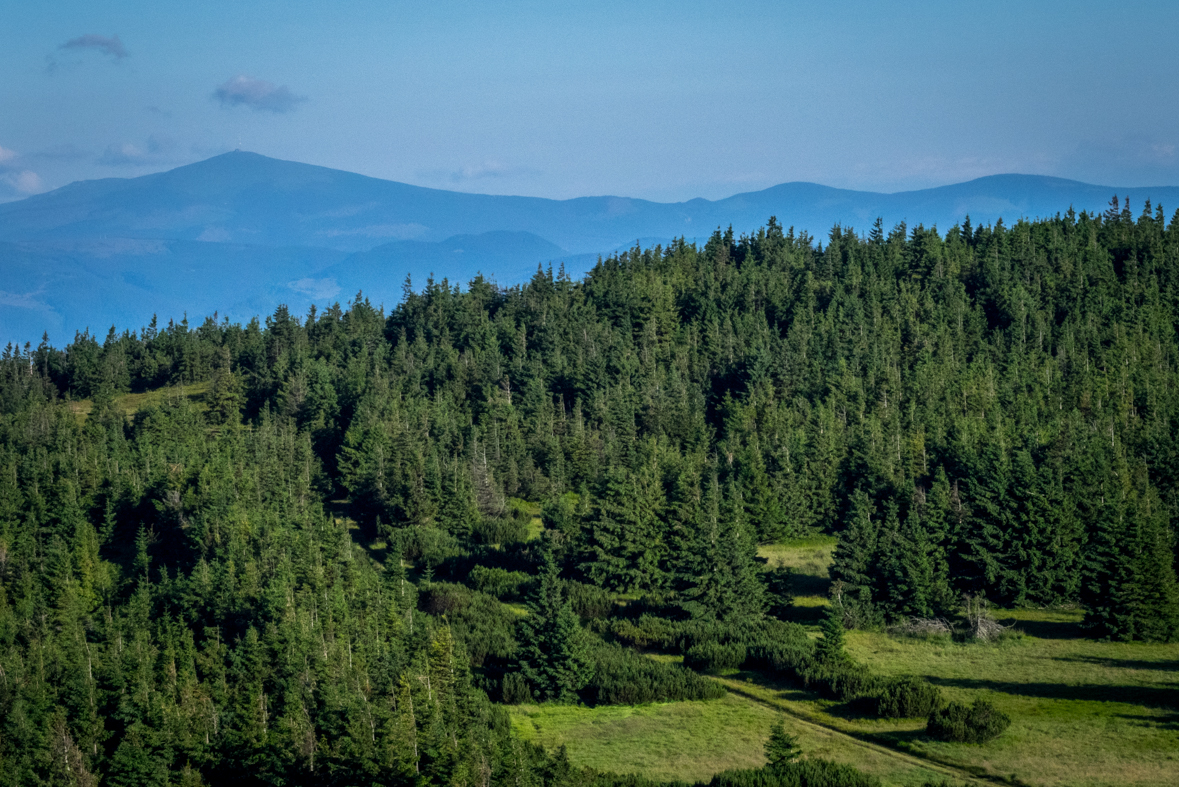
(665, 102)
(720, 197)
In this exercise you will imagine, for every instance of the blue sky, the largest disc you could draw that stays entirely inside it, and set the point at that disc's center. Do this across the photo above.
(666, 101)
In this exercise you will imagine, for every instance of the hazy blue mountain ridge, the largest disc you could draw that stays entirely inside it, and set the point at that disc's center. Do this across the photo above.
(240, 233)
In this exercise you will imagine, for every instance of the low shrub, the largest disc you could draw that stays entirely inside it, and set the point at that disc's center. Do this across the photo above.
(590, 602)
(623, 677)
(648, 632)
(500, 530)
(762, 638)
(504, 585)
(480, 623)
(712, 656)
(561, 514)
(785, 655)
(957, 723)
(760, 644)
(441, 598)
(424, 545)
(907, 698)
(515, 689)
(811, 772)
(844, 681)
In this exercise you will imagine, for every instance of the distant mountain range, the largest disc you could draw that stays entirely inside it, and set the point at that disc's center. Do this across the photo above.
(241, 233)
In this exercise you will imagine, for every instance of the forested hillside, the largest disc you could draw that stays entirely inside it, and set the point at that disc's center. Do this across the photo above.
(324, 568)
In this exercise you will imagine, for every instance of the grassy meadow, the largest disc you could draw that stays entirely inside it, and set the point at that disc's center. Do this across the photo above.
(132, 403)
(673, 740)
(1084, 712)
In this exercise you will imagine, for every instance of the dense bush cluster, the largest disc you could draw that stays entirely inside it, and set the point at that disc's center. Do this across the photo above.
(907, 698)
(783, 648)
(846, 681)
(803, 773)
(504, 585)
(958, 723)
(623, 677)
(713, 656)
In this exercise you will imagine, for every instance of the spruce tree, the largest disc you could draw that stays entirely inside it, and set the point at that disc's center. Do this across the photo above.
(857, 560)
(829, 647)
(781, 748)
(555, 655)
(720, 578)
(624, 537)
(914, 579)
(1131, 591)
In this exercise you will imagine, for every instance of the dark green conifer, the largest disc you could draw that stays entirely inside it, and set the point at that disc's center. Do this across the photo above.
(554, 651)
(781, 748)
(829, 647)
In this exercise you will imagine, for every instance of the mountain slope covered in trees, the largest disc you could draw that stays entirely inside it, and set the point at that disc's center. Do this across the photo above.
(985, 412)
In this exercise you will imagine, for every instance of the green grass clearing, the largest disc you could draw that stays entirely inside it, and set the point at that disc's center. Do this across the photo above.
(535, 527)
(132, 403)
(691, 741)
(808, 561)
(1084, 712)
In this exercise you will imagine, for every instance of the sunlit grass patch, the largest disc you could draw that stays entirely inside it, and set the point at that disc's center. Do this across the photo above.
(808, 560)
(692, 741)
(1084, 711)
(680, 740)
(810, 554)
(132, 403)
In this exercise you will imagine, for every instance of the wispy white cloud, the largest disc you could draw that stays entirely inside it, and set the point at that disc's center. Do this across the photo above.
(24, 300)
(16, 180)
(128, 154)
(489, 169)
(395, 231)
(316, 289)
(21, 182)
(257, 94)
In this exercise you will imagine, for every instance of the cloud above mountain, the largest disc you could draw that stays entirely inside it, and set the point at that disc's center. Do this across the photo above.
(16, 180)
(257, 94)
(107, 45)
(128, 154)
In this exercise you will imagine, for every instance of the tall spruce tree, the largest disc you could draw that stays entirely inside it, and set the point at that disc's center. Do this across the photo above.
(1130, 591)
(554, 654)
(856, 560)
(624, 546)
(720, 580)
(829, 646)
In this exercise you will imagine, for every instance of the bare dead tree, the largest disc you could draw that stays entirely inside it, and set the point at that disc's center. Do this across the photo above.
(981, 624)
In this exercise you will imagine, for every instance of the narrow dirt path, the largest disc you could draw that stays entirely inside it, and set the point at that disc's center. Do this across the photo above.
(947, 770)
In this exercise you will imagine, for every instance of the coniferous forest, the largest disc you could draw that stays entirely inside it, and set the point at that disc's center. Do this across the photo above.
(365, 533)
